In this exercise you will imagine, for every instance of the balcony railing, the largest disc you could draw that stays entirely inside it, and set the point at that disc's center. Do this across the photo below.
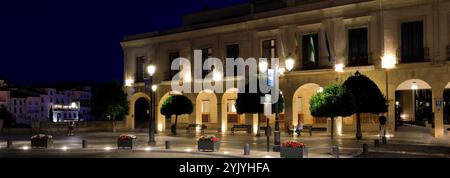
(404, 58)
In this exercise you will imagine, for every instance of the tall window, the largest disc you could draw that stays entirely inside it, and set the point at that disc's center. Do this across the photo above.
(269, 49)
(412, 49)
(172, 57)
(206, 53)
(233, 52)
(140, 69)
(310, 51)
(358, 54)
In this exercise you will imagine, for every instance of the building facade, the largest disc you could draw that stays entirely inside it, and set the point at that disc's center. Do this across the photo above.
(363, 35)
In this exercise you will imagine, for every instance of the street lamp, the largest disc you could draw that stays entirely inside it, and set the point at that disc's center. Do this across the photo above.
(289, 65)
(388, 62)
(151, 69)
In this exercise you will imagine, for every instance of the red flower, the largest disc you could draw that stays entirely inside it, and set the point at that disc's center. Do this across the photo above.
(293, 144)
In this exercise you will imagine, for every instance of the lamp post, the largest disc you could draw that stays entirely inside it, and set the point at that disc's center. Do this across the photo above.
(151, 131)
(388, 62)
(153, 101)
(289, 64)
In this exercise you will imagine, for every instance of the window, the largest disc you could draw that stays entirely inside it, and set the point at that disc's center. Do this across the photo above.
(15, 102)
(42, 100)
(233, 52)
(172, 57)
(206, 53)
(358, 54)
(205, 109)
(269, 49)
(140, 69)
(412, 49)
(310, 51)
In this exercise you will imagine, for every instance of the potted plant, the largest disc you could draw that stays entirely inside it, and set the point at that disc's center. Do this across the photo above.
(41, 141)
(126, 141)
(208, 143)
(292, 149)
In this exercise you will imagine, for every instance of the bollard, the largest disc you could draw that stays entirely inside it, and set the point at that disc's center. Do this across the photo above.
(247, 149)
(9, 143)
(335, 151)
(305, 152)
(376, 143)
(384, 140)
(167, 145)
(365, 148)
(84, 144)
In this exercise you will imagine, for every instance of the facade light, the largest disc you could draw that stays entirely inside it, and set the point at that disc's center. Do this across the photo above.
(388, 61)
(154, 88)
(129, 82)
(339, 68)
(290, 62)
(414, 86)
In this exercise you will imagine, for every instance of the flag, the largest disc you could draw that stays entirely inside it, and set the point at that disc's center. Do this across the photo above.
(330, 53)
(312, 50)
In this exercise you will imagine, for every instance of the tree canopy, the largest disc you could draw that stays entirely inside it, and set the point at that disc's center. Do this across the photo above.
(177, 105)
(249, 103)
(368, 97)
(109, 99)
(7, 117)
(334, 101)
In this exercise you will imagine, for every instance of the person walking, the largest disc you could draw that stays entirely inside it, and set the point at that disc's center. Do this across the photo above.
(382, 120)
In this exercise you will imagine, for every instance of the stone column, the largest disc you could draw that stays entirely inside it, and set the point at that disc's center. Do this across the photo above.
(438, 113)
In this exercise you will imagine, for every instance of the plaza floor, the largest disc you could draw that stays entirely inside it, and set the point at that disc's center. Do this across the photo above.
(408, 142)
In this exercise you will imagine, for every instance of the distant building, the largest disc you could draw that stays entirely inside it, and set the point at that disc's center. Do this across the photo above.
(46, 104)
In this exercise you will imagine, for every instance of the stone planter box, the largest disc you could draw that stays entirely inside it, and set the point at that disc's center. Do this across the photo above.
(208, 146)
(126, 144)
(41, 143)
(291, 152)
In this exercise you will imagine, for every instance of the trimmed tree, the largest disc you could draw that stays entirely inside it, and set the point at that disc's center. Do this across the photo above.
(109, 101)
(334, 101)
(7, 117)
(176, 105)
(249, 103)
(368, 98)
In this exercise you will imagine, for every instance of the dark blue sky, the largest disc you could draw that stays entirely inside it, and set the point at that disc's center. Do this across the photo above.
(52, 41)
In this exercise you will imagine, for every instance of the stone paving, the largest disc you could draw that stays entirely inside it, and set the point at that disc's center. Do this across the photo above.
(409, 142)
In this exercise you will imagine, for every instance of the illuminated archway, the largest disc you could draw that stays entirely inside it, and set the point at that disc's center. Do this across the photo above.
(228, 109)
(130, 121)
(206, 107)
(300, 103)
(413, 102)
(162, 121)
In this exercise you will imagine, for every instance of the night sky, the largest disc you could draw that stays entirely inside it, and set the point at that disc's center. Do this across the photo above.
(54, 41)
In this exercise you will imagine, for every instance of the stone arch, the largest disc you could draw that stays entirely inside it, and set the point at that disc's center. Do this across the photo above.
(206, 107)
(300, 102)
(130, 121)
(161, 118)
(228, 96)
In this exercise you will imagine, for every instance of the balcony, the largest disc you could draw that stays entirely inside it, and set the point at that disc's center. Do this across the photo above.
(360, 60)
(421, 56)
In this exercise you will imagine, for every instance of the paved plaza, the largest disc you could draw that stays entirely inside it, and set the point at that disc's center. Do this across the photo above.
(409, 142)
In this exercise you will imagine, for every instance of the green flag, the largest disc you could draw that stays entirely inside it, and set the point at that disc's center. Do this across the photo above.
(312, 50)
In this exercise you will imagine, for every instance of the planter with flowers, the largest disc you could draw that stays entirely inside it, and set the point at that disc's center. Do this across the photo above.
(41, 141)
(292, 149)
(126, 141)
(208, 143)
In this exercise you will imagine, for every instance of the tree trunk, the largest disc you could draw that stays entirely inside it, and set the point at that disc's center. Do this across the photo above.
(259, 125)
(175, 125)
(358, 126)
(114, 124)
(332, 129)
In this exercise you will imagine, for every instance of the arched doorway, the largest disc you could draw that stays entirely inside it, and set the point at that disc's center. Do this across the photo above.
(206, 108)
(414, 105)
(300, 106)
(141, 113)
(163, 122)
(446, 105)
(229, 114)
